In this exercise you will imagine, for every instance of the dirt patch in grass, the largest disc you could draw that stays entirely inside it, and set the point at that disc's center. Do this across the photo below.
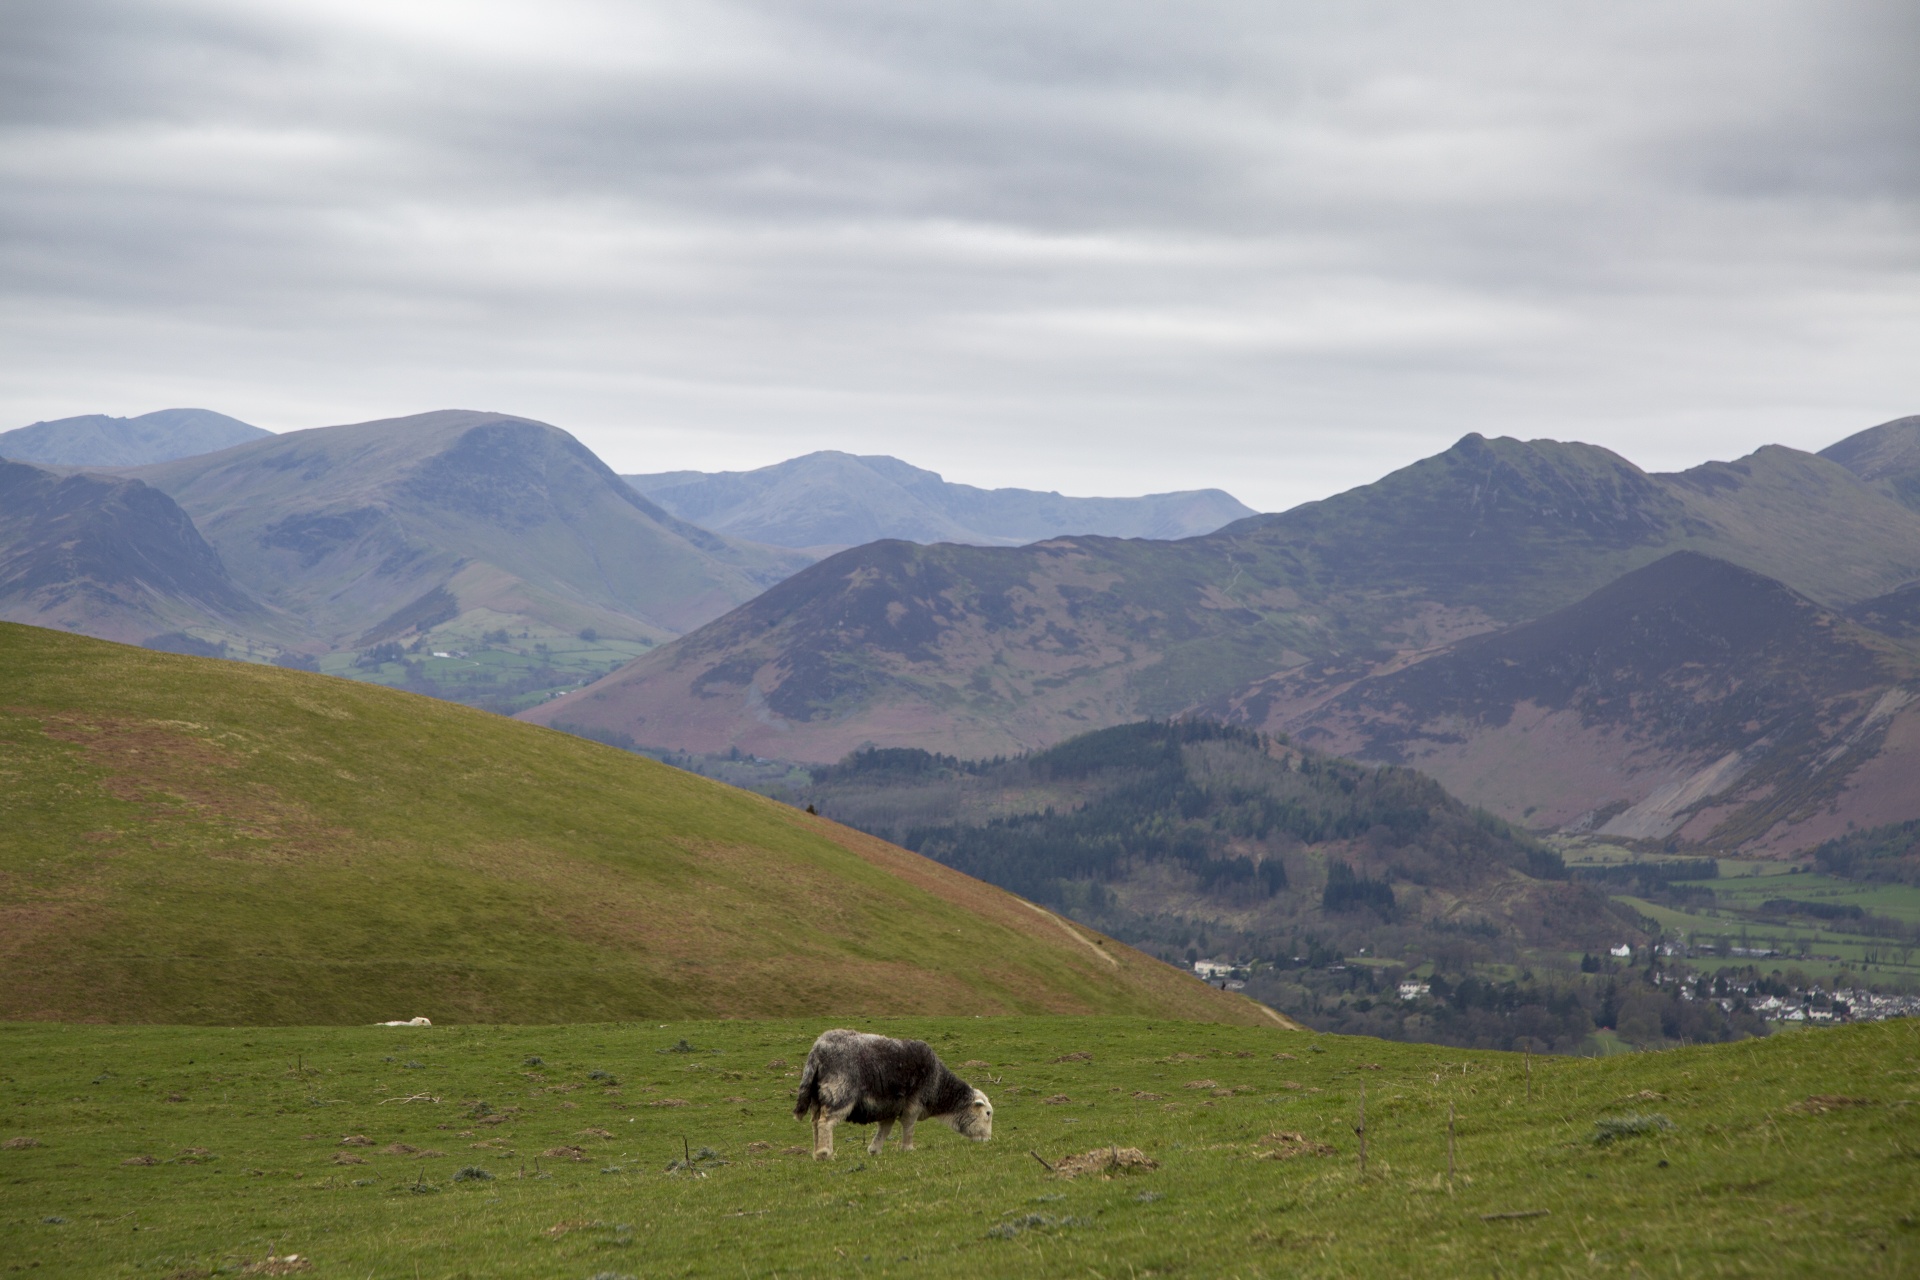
(399, 1149)
(559, 1229)
(347, 1157)
(1080, 1056)
(1820, 1103)
(563, 1153)
(594, 1133)
(1202, 1084)
(1290, 1146)
(1106, 1162)
(1057, 1100)
(356, 1140)
(141, 1161)
(19, 1144)
(285, 1265)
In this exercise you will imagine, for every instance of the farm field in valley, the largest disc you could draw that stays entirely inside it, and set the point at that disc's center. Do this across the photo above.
(546, 1151)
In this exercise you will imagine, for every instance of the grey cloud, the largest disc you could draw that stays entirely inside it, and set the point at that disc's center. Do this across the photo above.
(1098, 247)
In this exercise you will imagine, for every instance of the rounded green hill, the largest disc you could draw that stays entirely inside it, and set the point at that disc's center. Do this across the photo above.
(186, 840)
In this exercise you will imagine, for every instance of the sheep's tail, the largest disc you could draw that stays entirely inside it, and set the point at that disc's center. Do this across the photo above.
(809, 1094)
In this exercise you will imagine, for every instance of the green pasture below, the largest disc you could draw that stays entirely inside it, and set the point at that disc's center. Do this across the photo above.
(545, 1151)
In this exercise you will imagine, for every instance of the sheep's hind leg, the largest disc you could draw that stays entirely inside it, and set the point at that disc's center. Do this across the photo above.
(880, 1138)
(906, 1133)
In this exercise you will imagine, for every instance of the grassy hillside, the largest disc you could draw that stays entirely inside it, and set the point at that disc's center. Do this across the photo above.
(555, 1152)
(183, 840)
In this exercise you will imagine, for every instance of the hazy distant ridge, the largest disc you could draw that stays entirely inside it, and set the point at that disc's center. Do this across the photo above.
(96, 440)
(832, 499)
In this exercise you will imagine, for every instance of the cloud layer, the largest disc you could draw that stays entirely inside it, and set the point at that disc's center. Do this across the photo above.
(1111, 247)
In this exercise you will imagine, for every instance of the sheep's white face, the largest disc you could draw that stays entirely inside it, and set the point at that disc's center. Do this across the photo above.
(976, 1119)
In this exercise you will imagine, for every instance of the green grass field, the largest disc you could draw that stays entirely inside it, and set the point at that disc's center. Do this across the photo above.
(244, 1129)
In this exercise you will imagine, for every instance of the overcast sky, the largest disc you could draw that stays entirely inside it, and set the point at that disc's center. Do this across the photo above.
(1101, 247)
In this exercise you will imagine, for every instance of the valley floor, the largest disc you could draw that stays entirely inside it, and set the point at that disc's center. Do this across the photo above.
(649, 1149)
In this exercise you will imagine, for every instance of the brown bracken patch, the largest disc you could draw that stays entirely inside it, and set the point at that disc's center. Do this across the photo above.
(1106, 1162)
(1288, 1146)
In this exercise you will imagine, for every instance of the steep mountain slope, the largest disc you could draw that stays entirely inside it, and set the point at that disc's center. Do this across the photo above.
(1887, 456)
(987, 650)
(1691, 699)
(831, 500)
(1170, 834)
(379, 530)
(189, 841)
(96, 440)
(111, 557)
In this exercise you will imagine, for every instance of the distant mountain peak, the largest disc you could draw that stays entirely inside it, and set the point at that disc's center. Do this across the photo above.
(829, 498)
(97, 440)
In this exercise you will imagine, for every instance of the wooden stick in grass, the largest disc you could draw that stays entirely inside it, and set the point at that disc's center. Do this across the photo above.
(1360, 1130)
(1449, 1146)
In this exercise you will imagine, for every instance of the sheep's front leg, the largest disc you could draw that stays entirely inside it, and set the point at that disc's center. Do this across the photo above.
(906, 1133)
(880, 1138)
(822, 1135)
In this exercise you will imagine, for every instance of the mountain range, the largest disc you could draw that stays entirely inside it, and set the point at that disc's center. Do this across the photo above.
(986, 651)
(377, 530)
(96, 440)
(828, 501)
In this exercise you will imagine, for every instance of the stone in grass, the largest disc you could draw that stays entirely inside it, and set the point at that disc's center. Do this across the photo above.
(1609, 1129)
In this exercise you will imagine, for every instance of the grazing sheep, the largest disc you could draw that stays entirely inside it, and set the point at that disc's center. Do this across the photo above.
(866, 1079)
